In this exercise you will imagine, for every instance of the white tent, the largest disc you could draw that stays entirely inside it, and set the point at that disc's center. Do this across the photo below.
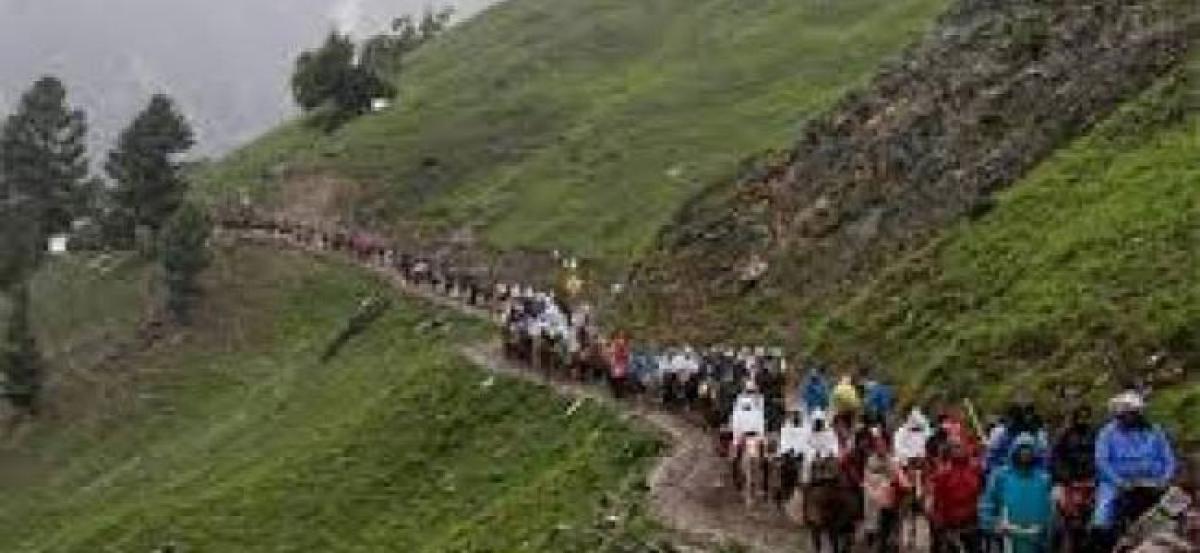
(57, 244)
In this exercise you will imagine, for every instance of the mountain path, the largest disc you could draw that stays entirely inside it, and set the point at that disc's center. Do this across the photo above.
(690, 491)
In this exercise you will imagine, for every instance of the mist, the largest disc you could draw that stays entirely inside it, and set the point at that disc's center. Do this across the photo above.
(226, 62)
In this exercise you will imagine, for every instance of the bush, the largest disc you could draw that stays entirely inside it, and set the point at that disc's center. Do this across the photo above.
(185, 254)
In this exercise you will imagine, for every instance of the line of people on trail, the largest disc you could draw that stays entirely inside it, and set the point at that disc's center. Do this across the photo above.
(836, 456)
(1012, 487)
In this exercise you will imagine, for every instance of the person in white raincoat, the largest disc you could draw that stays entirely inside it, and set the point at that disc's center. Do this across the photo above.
(821, 443)
(908, 443)
(793, 436)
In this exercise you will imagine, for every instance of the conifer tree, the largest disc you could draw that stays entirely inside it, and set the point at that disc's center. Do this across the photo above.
(185, 254)
(320, 73)
(22, 364)
(144, 165)
(43, 165)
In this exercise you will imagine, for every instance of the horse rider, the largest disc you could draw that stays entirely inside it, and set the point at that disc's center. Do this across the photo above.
(954, 491)
(1130, 452)
(846, 403)
(815, 391)
(1074, 471)
(1016, 507)
(908, 443)
(878, 399)
(821, 443)
(618, 363)
(1022, 419)
(793, 437)
(883, 483)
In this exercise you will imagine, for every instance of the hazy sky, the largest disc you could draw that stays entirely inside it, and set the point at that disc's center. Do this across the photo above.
(225, 61)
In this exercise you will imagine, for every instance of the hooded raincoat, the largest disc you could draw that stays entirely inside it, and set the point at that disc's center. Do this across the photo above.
(815, 393)
(878, 398)
(1125, 455)
(1017, 503)
(908, 443)
(845, 397)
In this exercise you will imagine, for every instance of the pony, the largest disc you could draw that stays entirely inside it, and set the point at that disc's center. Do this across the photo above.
(750, 468)
(832, 506)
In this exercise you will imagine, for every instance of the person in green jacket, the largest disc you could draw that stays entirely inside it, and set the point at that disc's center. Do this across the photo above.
(1017, 508)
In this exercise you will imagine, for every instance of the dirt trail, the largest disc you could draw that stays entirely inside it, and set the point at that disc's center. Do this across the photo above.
(689, 486)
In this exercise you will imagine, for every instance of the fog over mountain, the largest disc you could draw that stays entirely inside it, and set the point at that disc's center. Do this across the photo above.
(226, 62)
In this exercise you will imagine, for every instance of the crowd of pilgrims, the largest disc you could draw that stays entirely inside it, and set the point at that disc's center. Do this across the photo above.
(838, 454)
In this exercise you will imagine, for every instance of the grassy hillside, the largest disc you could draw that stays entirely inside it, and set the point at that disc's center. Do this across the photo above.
(1078, 275)
(581, 124)
(235, 439)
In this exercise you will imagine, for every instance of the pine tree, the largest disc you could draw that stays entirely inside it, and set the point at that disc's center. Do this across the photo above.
(20, 246)
(43, 164)
(149, 183)
(320, 73)
(22, 363)
(184, 255)
(329, 80)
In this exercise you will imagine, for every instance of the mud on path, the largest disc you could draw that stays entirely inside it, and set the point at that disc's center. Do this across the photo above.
(690, 488)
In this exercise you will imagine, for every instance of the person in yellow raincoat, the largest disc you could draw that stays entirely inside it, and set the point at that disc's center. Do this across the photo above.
(846, 402)
(845, 395)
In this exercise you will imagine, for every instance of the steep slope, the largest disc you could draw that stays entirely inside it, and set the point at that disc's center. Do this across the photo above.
(1085, 275)
(983, 99)
(236, 439)
(580, 124)
(980, 268)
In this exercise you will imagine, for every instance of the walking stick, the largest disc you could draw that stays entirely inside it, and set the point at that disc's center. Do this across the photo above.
(973, 418)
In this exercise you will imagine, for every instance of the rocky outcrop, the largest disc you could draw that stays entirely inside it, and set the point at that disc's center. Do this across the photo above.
(992, 90)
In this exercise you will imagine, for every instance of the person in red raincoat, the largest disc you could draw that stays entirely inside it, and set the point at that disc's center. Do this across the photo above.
(619, 364)
(954, 423)
(954, 490)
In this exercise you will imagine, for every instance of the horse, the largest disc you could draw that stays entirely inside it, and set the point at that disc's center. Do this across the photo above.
(832, 506)
(750, 468)
(910, 505)
(595, 366)
(1135, 528)
(708, 402)
(549, 355)
(786, 469)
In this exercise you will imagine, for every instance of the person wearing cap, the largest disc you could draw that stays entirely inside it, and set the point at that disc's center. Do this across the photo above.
(1129, 451)
(1016, 506)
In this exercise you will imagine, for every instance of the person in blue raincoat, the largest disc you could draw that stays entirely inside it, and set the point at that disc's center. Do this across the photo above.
(1129, 451)
(815, 391)
(1017, 507)
(1022, 418)
(877, 399)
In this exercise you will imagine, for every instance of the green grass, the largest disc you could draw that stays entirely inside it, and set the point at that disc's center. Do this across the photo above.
(86, 306)
(1082, 271)
(237, 440)
(582, 124)
(84, 300)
